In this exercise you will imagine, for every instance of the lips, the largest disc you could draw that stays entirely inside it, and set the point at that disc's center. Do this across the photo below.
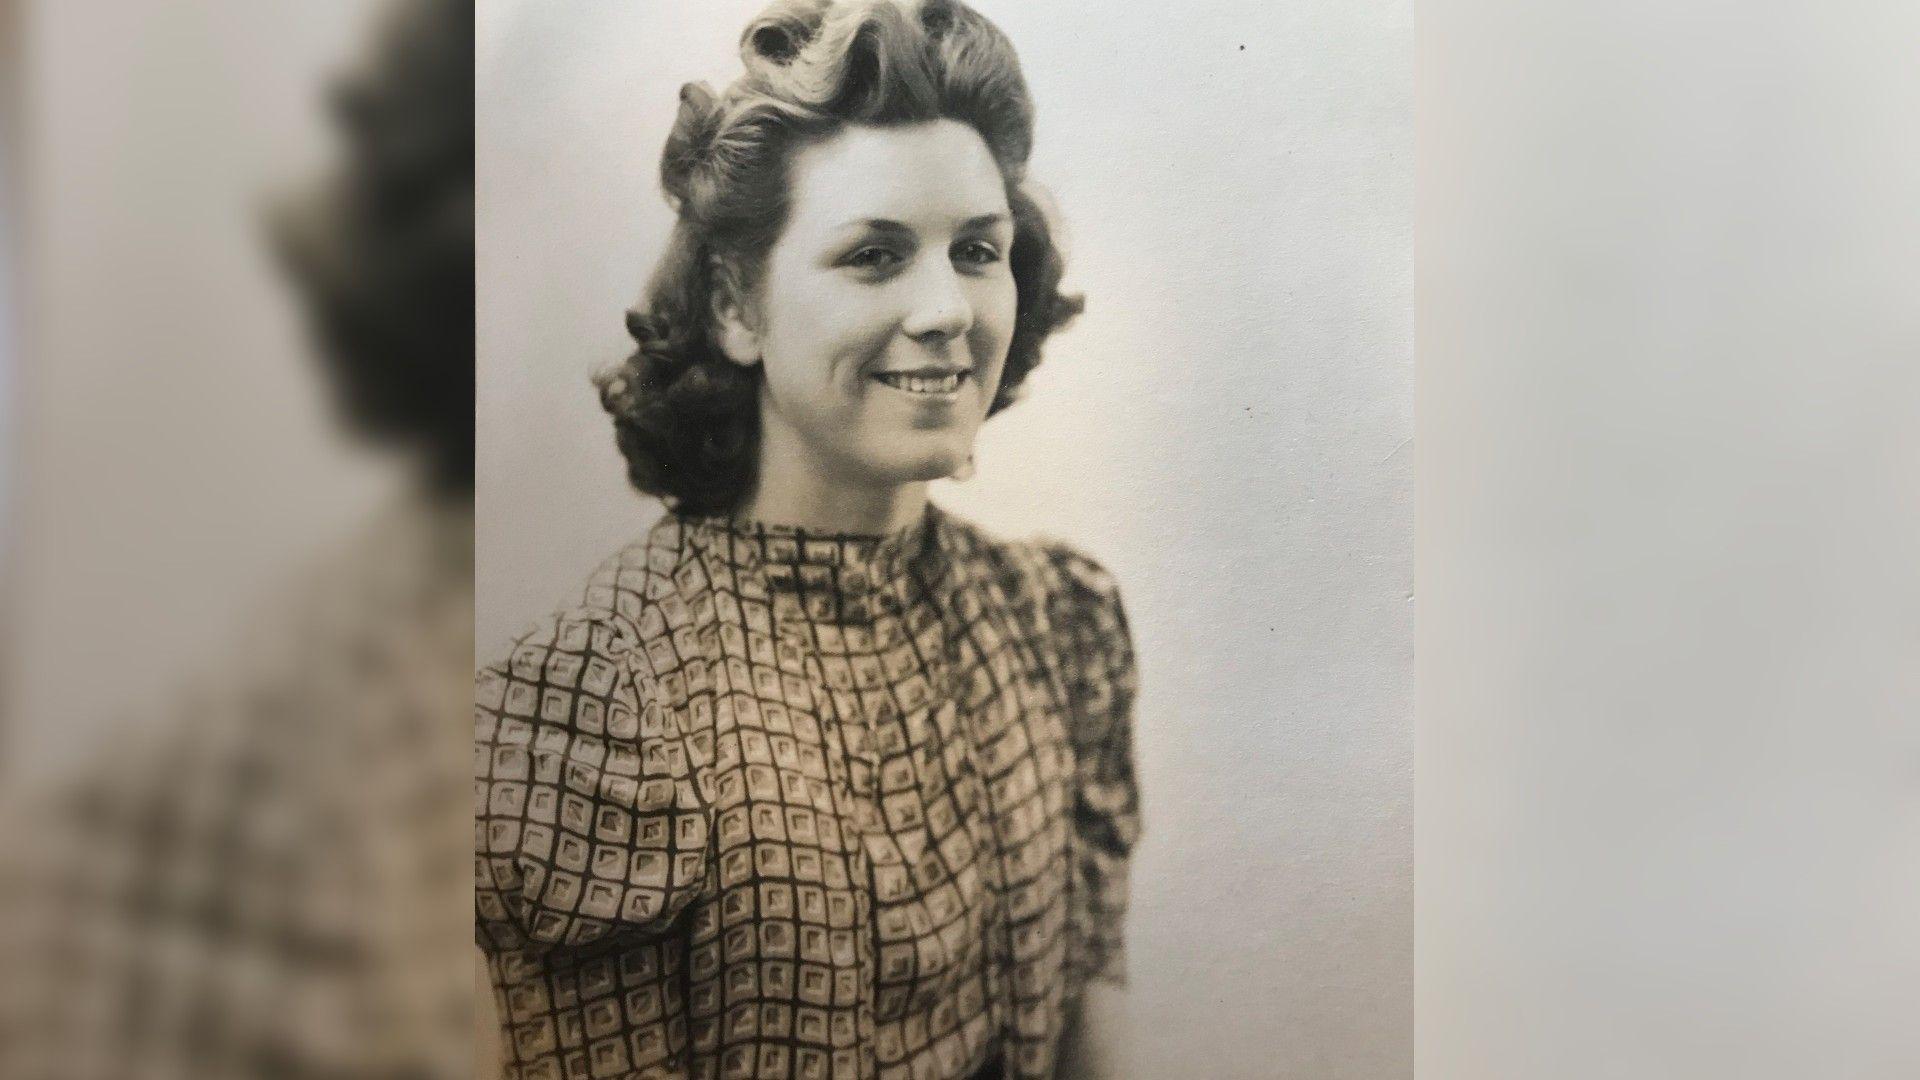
(930, 381)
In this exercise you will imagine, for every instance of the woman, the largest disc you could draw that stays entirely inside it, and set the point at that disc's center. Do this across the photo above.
(817, 780)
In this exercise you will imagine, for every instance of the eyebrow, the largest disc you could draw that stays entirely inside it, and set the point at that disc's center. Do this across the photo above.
(887, 225)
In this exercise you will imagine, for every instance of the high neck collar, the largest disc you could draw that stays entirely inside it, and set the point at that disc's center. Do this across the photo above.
(826, 576)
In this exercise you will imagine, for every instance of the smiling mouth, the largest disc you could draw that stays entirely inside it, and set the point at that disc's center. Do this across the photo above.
(931, 383)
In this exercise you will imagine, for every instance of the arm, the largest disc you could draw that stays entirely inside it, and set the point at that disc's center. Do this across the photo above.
(570, 783)
(1096, 1041)
(488, 1053)
(1097, 654)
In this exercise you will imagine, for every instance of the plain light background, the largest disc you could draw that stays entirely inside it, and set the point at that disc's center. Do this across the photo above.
(1669, 635)
(1227, 428)
(172, 448)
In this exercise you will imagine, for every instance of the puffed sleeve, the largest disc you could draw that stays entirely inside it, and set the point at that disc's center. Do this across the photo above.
(1097, 662)
(587, 817)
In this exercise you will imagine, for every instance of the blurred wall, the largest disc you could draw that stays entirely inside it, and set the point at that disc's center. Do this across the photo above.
(10, 153)
(174, 455)
(1227, 428)
(1669, 369)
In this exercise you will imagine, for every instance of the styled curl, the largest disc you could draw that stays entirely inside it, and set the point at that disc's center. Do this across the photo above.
(685, 417)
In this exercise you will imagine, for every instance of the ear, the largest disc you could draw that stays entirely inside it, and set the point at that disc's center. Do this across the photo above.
(733, 328)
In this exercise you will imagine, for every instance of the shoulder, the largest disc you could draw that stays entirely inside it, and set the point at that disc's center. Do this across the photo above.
(1076, 589)
(1072, 604)
(593, 637)
(634, 585)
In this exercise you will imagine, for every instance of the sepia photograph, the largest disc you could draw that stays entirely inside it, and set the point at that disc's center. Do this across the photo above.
(881, 540)
(944, 539)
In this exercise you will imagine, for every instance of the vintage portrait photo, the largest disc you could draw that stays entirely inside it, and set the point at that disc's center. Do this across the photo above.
(943, 540)
(889, 540)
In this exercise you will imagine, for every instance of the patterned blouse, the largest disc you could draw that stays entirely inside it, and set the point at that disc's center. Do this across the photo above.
(253, 877)
(777, 804)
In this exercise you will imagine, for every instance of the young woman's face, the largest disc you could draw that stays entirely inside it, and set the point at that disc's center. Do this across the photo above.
(885, 309)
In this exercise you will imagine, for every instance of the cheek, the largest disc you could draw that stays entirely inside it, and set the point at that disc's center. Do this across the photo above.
(820, 336)
(994, 313)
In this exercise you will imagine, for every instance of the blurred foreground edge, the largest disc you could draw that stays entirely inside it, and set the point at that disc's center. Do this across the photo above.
(266, 874)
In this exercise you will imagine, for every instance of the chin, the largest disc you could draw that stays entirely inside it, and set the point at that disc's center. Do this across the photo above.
(932, 464)
(939, 469)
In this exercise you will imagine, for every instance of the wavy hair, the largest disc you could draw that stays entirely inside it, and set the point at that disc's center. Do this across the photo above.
(686, 418)
(381, 248)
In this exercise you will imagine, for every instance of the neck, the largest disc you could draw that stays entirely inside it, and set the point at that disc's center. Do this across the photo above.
(792, 489)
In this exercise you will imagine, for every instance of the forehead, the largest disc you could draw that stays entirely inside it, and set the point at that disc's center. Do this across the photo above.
(928, 174)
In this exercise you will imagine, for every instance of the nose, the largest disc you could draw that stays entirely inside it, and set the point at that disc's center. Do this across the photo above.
(939, 309)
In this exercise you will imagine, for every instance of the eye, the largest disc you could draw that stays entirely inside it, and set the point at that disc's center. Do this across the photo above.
(978, 253)
(872, 257)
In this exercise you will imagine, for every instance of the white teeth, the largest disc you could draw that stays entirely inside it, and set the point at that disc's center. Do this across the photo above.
(923, 384)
